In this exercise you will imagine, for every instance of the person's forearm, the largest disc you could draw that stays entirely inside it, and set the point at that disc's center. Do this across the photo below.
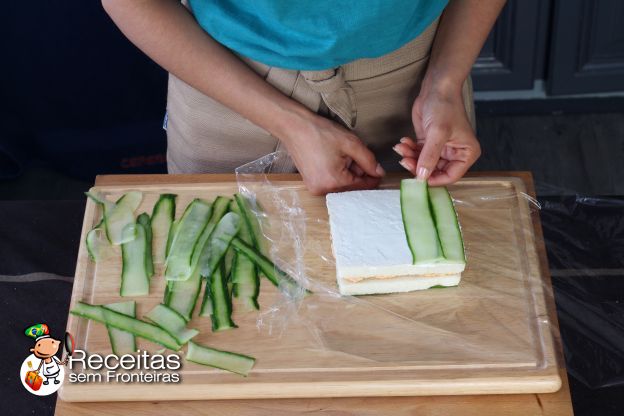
(463, 29)
(328, 156)
(169, 34)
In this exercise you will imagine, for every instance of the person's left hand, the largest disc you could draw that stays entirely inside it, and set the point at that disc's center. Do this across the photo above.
(446, 145)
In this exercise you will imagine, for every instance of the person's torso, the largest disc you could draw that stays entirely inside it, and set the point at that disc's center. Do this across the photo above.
(314, 34)
(50, 368)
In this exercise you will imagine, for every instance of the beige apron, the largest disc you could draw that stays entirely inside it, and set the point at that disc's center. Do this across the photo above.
(372, 97)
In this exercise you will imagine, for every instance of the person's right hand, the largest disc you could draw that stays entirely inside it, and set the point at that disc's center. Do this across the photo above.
(330, 158)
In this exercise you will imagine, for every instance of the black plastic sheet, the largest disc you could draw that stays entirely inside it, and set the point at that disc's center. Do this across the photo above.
(585, 242)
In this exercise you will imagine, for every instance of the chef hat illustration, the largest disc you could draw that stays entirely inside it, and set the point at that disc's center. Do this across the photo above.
(38, 331)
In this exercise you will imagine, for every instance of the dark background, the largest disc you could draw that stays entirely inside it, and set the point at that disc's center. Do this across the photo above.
(77, 99)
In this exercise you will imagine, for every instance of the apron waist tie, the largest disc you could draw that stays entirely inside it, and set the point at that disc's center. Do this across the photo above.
(335, 92)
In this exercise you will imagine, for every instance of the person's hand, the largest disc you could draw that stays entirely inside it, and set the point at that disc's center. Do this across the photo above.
(330, 158)
(445, 145)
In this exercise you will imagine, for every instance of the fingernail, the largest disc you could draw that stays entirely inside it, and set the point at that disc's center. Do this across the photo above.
(422, 174)
(397, 150)
(402, 163)
(380, 171)
(404, 140)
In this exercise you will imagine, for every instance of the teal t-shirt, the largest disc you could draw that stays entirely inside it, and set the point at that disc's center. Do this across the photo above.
(314, 34)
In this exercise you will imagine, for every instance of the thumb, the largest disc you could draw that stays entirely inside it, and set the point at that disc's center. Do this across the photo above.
(364, 158)
(430, 153)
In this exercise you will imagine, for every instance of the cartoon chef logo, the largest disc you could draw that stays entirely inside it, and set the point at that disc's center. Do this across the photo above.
(42, 372)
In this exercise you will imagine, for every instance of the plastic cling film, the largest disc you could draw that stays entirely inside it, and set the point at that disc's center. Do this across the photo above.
(283, 232)
(584, 236)
(495, 318)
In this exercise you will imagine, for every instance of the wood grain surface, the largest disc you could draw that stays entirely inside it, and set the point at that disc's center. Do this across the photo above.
(557, 403)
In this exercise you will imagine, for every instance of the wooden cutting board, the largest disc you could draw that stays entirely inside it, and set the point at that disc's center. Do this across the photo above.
(490, 335)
